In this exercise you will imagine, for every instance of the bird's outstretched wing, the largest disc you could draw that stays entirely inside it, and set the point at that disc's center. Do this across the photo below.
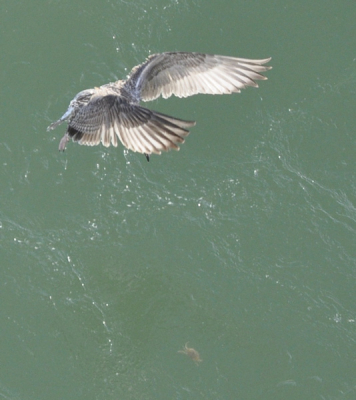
(186, 74)
(108, 117)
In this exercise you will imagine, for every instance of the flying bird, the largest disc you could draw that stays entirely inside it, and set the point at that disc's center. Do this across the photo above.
(113, 111)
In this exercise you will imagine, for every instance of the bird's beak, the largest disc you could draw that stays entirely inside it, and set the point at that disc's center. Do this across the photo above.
(64, 117)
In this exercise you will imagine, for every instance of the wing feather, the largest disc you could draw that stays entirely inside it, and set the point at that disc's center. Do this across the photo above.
(186, 74)
(110, 117)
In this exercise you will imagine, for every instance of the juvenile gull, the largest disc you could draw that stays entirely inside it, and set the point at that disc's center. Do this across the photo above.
(112, 111)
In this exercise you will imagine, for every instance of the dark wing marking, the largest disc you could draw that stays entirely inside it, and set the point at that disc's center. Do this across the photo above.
(106, 118)
(186, 74)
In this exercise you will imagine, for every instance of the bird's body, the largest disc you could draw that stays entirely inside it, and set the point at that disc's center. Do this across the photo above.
(112, 111)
